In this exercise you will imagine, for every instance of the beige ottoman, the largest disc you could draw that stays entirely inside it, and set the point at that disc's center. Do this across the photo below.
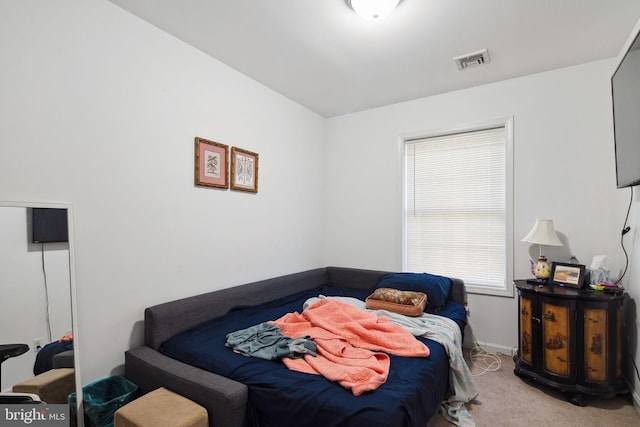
(53, 386)
(161, 408)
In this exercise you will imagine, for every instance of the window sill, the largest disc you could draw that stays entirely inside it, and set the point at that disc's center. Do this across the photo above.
(484, 290)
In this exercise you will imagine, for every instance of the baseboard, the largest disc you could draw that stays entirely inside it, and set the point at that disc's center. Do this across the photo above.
(491, 348)
(470, 340)
(636, 401)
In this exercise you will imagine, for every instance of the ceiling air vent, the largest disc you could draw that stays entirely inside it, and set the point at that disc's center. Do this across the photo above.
(471, 60)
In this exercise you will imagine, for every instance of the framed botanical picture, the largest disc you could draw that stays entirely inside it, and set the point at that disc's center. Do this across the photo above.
(244, 170)
(212, 161)
(571, 275)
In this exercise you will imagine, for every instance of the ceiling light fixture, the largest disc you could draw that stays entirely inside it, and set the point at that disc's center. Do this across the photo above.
(373, 10)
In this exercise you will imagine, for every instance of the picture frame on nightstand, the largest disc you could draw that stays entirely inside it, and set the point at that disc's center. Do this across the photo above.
(567, 275)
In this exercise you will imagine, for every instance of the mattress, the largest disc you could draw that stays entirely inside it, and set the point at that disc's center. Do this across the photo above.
(280, 397)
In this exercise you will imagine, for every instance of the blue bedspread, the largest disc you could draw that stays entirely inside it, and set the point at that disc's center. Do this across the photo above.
(279, 397)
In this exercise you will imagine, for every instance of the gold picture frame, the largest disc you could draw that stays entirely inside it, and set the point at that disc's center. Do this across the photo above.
(211, 163)
(244, 170)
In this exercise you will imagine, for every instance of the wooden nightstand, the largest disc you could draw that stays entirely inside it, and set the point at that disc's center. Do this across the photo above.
(571, 339)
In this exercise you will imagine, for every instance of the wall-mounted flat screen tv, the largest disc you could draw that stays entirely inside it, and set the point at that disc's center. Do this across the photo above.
(49, 225)
(625, 87)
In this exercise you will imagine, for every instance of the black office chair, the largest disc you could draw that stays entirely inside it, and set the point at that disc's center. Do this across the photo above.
(19, 399)
(8, 351)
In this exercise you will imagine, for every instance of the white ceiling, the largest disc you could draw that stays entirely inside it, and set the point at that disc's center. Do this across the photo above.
(320, 54)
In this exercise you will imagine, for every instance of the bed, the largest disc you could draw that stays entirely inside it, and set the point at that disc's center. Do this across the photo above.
(191, 358)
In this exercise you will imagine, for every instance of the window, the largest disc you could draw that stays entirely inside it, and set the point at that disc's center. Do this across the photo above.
(458, 206)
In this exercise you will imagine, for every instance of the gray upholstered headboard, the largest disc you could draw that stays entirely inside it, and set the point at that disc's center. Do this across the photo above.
(163, 321)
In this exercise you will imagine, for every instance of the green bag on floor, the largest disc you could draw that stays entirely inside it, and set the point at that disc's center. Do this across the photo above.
(102, 398)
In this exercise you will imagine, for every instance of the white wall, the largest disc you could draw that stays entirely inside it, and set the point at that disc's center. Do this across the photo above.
(23, 306)
(632, 284)
(563, 170)
(100, 109)
(631, 281)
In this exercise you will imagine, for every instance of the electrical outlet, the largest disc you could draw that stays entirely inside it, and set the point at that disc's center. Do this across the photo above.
(467, 307)
(37, 344)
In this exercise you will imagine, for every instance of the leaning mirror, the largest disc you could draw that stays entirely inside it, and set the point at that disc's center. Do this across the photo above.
(38, 330)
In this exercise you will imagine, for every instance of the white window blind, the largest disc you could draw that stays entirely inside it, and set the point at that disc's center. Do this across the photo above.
(456, 212)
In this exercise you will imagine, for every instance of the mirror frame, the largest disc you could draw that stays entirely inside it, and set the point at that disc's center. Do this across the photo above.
(72, 280)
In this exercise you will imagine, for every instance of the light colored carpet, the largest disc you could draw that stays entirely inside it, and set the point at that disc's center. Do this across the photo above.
(507, 400)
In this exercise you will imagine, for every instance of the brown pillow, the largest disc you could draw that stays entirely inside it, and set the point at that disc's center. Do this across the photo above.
(409, 303)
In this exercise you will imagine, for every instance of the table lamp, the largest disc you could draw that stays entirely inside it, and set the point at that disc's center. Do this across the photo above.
(542, 233)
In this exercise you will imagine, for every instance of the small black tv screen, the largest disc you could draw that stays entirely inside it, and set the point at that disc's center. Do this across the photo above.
(625, 87)
(49, 225)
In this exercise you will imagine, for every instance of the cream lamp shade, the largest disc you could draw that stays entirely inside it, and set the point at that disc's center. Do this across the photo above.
(373, 10)
(543, 233)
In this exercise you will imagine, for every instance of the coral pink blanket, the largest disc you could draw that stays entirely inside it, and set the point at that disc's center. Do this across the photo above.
(345, 336)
